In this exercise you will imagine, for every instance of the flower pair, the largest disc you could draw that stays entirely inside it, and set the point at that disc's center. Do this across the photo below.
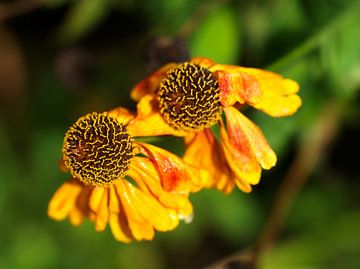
(138, 188)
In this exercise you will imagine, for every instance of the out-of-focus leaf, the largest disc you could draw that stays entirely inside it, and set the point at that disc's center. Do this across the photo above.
(33, 248)
(235, 217)
(81, 19)
(129, 257)
(319, 248)
(218, 37)
(55, 3)
(341, 59)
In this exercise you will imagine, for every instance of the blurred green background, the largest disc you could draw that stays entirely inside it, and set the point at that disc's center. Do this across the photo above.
(60, 59)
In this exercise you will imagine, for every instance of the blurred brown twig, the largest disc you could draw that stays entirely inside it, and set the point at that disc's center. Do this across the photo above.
(311, 150)
(16, 8)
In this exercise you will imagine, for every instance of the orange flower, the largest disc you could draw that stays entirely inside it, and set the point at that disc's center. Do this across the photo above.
(186, 99)
(112, 184)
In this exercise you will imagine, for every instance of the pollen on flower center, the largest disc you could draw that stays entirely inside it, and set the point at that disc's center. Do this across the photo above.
(189, 98)
(97, 149)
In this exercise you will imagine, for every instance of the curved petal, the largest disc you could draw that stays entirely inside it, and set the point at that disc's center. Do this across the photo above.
(204, 144)
(279, 94)
(81, 208)
(175, 174)
(117, 219)
(235, 86)
(149, 121)
(241, 128)
(121, 114)
(144, 213)
(240, 156)
(142, 170)
(64, 199)
(151, 83)
(102, 212)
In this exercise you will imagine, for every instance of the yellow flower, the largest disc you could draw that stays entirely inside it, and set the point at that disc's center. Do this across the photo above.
(135, 187)
(186, 99)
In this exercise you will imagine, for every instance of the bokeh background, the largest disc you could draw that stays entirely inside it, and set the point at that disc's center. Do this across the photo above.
(60, 59)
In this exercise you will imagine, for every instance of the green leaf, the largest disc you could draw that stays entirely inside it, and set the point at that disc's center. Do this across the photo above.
(81, 19)
(217, 37)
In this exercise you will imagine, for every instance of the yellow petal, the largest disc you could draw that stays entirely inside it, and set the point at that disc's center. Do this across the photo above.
(238, 125)
(140, 228)
(237, 87)
(117, 219)
(204, 144)
(142, 170)
(151, 83)
(240, 157)
(122, 115)
(278, 94)
(102, 212)
(81, 208)
(64, 199)
(174, 173)
(149, 121)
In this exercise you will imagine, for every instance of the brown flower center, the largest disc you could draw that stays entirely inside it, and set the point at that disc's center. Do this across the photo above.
(189, 98)
(97, 149)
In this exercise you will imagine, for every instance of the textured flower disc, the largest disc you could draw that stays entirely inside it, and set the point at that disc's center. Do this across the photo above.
(189, 98)
(97, 149)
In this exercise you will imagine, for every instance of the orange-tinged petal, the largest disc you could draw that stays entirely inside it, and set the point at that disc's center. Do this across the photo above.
(122, 115)
(237, 87)
(279, 94)
(64, 199)
(238, 126)
(212, 158)
(151, 83)
(149, 121)
(240, 156)
(175, 174)
(142, 170)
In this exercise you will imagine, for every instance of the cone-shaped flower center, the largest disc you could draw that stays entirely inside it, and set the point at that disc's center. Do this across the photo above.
(97, 149)
(189, 98)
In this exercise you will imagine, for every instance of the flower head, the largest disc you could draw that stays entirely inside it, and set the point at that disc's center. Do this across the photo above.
(186, 99)
(101, 154)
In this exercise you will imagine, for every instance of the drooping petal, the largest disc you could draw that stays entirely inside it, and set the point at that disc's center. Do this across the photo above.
(64, 199)
(117, 219)
(241, 160)
(144, 213)
(142, 170)
(204, 151)
(245, 148)
(151, 83)
(102, 211)
(175, 174)
(81, 207)
(149, 121)
(237, 123)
